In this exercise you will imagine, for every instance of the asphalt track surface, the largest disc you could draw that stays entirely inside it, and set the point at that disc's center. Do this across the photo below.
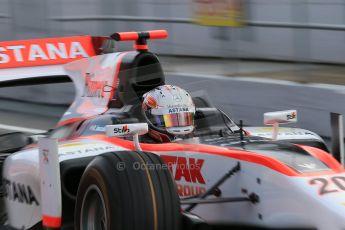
(11, 121)
(248, 98)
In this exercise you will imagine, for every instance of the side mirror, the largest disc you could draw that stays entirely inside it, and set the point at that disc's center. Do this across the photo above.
(125, 130)
(279, 117)
(11, 142)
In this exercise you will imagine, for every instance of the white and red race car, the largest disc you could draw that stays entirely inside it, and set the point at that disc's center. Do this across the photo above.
(94, 172)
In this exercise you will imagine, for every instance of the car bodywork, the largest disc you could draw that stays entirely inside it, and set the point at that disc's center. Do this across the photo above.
(278, 184)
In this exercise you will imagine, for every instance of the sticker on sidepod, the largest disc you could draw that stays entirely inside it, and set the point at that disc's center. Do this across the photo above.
(328, 185)
(80, 149)
(282, 133)
(19, 192)
(187, 172)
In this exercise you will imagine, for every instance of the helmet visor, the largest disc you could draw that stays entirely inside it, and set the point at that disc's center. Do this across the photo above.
(173, 120)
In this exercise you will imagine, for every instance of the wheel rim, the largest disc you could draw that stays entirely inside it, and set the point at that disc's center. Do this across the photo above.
(93, 211)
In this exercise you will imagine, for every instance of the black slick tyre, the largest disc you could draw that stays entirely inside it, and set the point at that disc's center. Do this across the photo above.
(127, 191)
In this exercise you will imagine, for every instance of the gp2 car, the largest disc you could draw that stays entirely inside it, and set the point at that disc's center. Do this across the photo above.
(93, 172)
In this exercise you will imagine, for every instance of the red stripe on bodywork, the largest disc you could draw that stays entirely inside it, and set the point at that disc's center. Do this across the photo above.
(225, 152)
(51, 221)
(326, 158)
(128, 36)
(158, 34)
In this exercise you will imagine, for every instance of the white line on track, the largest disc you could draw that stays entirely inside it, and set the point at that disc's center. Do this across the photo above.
(21, 129)
(261, 80)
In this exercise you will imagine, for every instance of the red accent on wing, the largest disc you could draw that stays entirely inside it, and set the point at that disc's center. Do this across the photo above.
(51, 221)
(48, 51)
(128, 36)
(158, 34)
(324, 157)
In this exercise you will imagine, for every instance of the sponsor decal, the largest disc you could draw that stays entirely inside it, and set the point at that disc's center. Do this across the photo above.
(87, 150)
(37, 52)
(184, 105)
(295, 133)
(188, 169)
(219, 13)
(94, 88)
(122, 130)
(266, 131)
(177, 98)
(291, 116)
(19, 192)
(45, 153)
(178, 110)
(187, 174)
(44, 51)
(333, 184)
(189, 190)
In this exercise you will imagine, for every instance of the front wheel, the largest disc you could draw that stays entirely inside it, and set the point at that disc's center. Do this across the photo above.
(127, 191)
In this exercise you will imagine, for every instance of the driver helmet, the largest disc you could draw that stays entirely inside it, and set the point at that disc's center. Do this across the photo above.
(169, 109)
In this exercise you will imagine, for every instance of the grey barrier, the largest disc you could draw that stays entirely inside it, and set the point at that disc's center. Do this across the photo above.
(269, 24)
(242, 98)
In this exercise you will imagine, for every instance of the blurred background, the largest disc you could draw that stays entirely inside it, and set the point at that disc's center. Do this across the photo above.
(248, 56)
(303, 30)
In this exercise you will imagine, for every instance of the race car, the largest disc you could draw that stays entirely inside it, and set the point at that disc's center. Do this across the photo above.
(99, 170)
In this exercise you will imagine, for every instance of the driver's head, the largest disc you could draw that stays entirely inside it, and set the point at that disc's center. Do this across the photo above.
(169, 110)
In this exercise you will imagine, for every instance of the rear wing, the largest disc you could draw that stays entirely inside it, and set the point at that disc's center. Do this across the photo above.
(40, 61)
(96, 77)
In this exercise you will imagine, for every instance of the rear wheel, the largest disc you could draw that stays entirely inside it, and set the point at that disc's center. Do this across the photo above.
(129, 191)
